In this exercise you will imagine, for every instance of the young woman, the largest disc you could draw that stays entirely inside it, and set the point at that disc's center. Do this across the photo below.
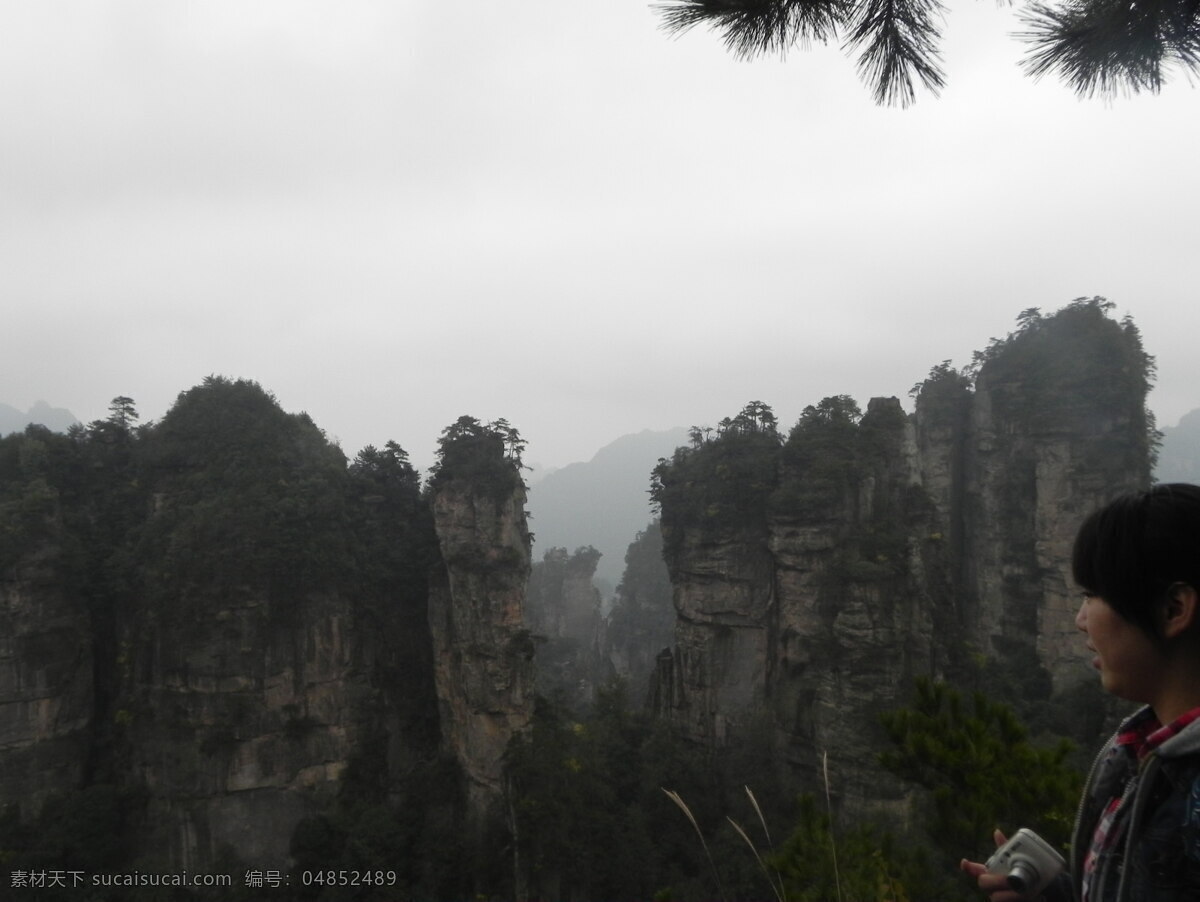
(1137, 835)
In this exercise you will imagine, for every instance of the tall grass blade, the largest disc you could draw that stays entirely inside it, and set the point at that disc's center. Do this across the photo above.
(678, 800)
(837, 879)
(777, 890)
(762, 820)
(770, 843)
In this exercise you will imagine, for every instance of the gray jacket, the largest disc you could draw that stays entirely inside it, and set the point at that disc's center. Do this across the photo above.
(1158, 860)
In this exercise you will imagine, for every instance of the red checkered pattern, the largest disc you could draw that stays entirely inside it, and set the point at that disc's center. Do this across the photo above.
(1142, 737)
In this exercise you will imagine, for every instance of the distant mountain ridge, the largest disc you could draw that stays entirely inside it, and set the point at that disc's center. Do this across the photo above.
(57, 419)
(1179, 456)
(604, 502)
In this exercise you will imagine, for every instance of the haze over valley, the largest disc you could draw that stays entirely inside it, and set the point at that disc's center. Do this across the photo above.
(603, 501)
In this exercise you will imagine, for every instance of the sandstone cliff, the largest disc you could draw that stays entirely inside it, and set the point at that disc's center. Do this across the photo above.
(46, 685)
(240, 722)
(562, 611)
(1057, 426)
(814, 579)
(211, 631)
(483, 653)
(561, 602)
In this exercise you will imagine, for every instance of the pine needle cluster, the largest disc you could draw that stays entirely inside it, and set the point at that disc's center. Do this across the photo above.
(1096, 46)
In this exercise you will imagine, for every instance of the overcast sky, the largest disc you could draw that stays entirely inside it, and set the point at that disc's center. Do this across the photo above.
(393, 213)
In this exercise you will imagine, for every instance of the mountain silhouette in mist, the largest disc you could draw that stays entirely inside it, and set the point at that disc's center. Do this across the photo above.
(1179, 456)
(604, 502)
(56, 419)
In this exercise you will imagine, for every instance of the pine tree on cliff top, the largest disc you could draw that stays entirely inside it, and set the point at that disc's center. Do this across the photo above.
(487, 454)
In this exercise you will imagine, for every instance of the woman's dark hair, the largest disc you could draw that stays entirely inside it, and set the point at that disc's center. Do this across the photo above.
(1132, 550)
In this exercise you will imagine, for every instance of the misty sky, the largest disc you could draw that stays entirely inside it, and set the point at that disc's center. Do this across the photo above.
(393, 213)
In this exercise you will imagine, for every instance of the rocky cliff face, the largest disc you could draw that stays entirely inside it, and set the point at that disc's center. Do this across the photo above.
(240, 719)
(878, 550)
(813, 612)
(854, 616)
(724, 589)
(46, 685)
(1042, 454)
(210, 632)
(562, 611)
(483, 653)
(562, 602)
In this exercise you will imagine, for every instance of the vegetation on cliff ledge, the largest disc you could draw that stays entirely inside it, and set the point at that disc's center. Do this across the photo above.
(488, 455)
(1074, 364)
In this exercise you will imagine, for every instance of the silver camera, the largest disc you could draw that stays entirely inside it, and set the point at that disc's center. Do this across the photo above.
(1028, 862)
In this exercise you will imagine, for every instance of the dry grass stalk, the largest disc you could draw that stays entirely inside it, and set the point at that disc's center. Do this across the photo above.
(762, 820)
(777, 890)
(837, 880)
(678, 800)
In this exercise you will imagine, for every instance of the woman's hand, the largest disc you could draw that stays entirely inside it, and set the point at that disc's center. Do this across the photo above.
(995, 886)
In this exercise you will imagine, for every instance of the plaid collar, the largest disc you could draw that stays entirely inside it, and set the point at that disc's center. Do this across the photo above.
(1141, 736)
(1144, 733)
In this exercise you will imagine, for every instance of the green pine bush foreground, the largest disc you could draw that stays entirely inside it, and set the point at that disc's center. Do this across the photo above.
(612, 807)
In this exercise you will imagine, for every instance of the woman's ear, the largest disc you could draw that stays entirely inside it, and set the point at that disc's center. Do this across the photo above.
(1182, 610)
